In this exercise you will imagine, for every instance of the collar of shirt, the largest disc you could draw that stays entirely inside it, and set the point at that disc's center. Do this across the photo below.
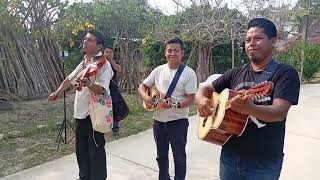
(88, 61)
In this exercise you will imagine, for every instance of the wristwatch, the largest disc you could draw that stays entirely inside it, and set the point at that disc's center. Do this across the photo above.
(175, 105)
(178, 105)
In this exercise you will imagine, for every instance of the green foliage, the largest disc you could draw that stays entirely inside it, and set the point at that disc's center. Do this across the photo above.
(153, 52)
(302, 8)
(136, 20)
(312, 59)
(187, 50)
(75, 57)
(72, 29)
(3, 8)
(69, 31)
(125, 18)
(117, 19)
(8, 20)
(222, 57)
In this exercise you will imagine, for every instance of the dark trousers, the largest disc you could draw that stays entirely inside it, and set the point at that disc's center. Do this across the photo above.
(91, 155)
(175, 133)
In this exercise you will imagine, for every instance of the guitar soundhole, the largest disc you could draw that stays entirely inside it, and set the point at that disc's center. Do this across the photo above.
(204, 121)
(216, 111)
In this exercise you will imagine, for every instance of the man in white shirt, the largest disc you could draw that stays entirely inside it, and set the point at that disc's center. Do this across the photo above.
(90, 150)
(171, 124)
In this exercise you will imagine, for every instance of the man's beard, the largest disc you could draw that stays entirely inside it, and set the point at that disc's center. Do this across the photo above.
(254, 59)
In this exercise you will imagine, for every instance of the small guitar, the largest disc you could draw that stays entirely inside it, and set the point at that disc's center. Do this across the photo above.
(224, 122)
(158, 99)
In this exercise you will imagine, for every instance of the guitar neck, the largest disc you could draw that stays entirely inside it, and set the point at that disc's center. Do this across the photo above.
(242, 94)
(228, 104)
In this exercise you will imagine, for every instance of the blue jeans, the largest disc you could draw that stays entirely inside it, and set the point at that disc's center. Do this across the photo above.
(115, 126)
(233, 167)
(173, 132)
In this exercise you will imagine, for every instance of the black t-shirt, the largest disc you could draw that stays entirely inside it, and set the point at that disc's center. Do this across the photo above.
(114, 89)
(114, 77)
(265, 142)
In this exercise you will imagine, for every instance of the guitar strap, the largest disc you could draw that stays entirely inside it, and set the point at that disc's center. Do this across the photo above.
(265, 75)
(174, 81)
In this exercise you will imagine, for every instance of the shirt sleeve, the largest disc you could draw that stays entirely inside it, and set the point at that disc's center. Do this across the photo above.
(224, 81)
(104, 76)
(150, 80)
(72, 76)
(288, 86)
(191, 85)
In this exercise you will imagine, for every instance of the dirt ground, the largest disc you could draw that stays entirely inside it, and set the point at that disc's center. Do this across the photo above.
(28, 133)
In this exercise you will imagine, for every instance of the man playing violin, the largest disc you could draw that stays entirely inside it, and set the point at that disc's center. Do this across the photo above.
(171, 123)
(90, 149)
(258, 153)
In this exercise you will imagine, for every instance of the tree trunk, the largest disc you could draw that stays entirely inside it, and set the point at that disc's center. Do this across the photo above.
(200, 60)
(131, 61)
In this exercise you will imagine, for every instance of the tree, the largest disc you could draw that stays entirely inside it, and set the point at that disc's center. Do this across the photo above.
(127, 21)
(206, 26)
(311, 63)
(303, 8)
(71, 30)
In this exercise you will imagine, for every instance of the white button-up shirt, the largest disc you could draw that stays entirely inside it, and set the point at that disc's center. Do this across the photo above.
(82, 98)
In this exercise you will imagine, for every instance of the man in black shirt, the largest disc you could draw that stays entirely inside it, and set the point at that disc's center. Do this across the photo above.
(116, 68)
(258, 153)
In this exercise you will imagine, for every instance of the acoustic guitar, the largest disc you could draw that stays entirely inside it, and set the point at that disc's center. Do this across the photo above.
(224, 122)
(158, 99)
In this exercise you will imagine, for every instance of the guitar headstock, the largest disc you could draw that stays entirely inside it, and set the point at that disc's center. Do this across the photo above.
(260, 91)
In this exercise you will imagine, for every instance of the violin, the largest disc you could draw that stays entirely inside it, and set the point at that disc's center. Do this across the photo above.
(83, 72)
(90, 70)
(86, 72)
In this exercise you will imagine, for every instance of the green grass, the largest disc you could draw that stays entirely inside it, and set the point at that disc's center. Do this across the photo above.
(32, 146)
